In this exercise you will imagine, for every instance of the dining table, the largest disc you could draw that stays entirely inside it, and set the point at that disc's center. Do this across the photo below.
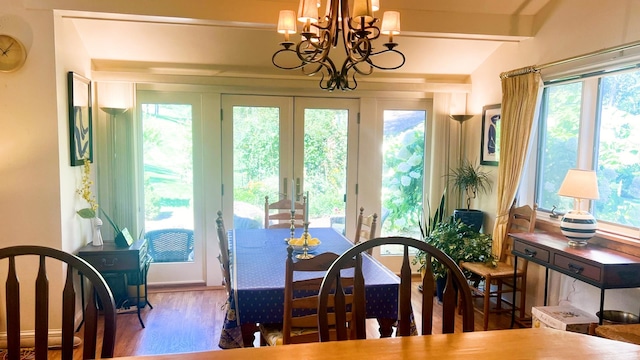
(257, 262)
(525, 343)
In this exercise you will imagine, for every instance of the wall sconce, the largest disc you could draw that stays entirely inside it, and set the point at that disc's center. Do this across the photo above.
(579, 225)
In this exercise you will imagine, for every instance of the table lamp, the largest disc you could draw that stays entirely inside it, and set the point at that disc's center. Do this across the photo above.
(579, 225)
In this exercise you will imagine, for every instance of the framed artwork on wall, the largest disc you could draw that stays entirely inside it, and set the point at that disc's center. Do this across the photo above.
(80, 129)
(490, 143)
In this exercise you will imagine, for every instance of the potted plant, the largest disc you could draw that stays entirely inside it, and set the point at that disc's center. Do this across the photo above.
(458, 240)
(471, 180)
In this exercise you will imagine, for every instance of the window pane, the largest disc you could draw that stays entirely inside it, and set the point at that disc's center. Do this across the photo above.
(402, 174)
(256, 163)
(168, 166)
(559, 125)
(325, 165)
(618, 161)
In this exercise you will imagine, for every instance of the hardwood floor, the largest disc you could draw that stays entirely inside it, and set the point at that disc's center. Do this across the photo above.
(190, 319)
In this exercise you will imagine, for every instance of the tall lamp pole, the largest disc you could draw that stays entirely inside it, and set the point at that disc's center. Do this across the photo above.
(460, 119)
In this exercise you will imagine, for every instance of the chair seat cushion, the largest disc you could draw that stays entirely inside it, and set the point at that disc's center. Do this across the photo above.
(272, 333)
(501, 270)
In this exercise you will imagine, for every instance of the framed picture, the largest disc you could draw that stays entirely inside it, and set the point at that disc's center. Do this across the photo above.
(490, 143)
(80, 130)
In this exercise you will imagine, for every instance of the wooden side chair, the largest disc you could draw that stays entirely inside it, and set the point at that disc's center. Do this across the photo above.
(224, 257)
(366, 227)
(300, 319)
(456, 282)
(278, 214)
(99, 291)
(170, 245)
(490, 282)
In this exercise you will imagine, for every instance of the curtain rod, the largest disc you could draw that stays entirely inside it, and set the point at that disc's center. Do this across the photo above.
(537, 68)
(588, 55)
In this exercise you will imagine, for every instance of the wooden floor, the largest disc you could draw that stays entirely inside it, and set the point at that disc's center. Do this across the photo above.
(186, 320)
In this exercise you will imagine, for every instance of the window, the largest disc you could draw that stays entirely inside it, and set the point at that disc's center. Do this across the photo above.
(593, 123)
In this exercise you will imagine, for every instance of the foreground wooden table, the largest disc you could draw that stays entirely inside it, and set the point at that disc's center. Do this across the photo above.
(500, 344)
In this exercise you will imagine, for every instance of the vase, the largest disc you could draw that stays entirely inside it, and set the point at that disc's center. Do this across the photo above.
(97, 235)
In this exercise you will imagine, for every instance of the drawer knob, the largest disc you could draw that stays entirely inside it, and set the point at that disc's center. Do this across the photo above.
(576, 269)
(530, 253)
(107, 264)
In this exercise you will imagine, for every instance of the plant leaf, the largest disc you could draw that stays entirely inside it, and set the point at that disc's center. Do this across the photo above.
(86, 213)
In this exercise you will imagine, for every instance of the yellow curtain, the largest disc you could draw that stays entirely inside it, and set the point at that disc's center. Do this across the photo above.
(520, 90)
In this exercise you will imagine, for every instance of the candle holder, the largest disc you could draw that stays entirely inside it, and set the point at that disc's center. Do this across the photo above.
(305, 244)
(292, 228)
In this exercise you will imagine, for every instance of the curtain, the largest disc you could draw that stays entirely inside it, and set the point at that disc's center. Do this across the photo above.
(520, 93)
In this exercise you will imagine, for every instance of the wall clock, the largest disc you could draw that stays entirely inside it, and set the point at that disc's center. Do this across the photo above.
(12, 53)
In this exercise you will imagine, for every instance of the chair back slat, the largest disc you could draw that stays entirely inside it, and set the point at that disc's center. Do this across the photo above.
(365, 227)
(68, 310)
(428, 288)
(99, 289)
(278, 214)
(42, 309)
(456, 284)
(13, 311)
(224, 257)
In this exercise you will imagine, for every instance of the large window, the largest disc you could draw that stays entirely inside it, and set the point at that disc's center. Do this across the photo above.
(593, 123)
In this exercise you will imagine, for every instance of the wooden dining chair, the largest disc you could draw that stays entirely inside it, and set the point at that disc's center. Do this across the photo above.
(278, 214)
(21, 258)
(456, 282)
(300, 319)
(492, 282)
(223, 256)
(170, 245)
(365, 227)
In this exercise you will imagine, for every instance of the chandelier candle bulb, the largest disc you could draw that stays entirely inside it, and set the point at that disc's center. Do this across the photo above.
(390, 24)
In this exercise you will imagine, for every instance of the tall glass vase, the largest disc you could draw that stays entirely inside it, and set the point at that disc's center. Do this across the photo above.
(96, 224)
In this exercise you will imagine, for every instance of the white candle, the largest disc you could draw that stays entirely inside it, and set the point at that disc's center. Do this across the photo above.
(293, 196)
(306, 210)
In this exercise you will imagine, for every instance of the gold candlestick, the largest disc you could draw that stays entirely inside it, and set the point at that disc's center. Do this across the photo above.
(305, 244)
(292, 228)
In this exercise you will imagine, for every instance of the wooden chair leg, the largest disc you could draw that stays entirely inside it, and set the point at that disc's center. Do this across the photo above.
(499, 296)
(487, 302)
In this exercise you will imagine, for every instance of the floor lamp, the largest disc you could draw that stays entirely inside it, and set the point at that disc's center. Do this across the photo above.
(460, 119)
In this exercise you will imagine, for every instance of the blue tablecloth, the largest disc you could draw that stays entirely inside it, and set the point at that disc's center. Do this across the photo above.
(258, 269)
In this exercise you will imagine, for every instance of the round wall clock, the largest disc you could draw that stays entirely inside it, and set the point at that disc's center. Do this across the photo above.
(12, 53)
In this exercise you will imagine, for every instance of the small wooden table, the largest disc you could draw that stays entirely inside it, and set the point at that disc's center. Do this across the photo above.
(133, 261)
(601, 267)
(529, 343)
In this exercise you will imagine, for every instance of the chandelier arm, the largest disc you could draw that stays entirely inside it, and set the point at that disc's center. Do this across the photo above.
(273, 60)
(370, 60)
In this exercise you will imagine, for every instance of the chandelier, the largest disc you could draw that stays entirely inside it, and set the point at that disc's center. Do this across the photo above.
(321, 33)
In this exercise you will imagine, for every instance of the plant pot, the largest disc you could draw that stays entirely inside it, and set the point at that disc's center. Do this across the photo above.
(473, 218)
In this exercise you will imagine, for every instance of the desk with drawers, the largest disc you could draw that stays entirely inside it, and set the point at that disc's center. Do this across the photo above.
(601, 267)
(128, 263)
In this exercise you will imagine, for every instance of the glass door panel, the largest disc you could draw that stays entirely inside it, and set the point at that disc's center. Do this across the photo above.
(402, 175)
(167, 148)
(325, 166)
(256, 163)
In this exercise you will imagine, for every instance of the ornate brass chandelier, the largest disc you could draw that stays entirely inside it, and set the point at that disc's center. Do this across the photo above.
(320, 34)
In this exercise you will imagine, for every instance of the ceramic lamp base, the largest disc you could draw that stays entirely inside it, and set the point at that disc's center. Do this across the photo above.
(578, 227)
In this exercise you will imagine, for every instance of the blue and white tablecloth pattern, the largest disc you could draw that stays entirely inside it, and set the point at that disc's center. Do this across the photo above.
(258, 269)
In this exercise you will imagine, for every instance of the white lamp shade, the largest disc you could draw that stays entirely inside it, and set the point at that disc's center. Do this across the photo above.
(390, 23)
(362, 8)
(375, 5)
(580, 184)
(287, 22)
(308, 11)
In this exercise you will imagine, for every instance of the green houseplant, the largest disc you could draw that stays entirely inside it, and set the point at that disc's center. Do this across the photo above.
(472, 181)
(458, 240)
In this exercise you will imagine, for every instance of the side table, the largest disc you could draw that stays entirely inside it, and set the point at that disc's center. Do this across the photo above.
(601, 267)
(130, 263)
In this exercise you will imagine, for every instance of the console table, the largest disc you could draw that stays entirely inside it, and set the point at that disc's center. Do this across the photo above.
(601, 267)
(132, 261)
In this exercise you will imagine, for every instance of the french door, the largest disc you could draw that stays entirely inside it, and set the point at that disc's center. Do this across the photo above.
(168, 149)
(284, 145)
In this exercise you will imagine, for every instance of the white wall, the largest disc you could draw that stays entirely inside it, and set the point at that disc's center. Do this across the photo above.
(567, 28)
(37, 186)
